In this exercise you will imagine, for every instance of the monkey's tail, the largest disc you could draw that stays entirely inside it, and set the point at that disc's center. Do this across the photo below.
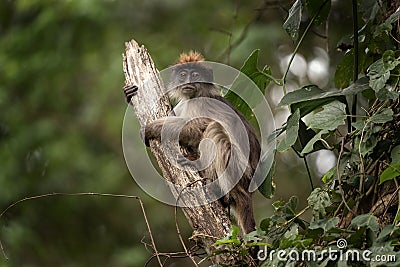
(232, 170)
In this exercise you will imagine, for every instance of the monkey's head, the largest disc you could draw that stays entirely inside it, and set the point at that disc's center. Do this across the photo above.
(191, 77)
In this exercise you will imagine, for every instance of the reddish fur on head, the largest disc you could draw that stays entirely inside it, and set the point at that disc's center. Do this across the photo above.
(192, 56)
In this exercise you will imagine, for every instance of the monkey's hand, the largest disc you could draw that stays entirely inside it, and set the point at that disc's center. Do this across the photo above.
(130, 91)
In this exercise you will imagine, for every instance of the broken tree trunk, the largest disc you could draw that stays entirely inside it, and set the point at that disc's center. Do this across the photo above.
(207, 221)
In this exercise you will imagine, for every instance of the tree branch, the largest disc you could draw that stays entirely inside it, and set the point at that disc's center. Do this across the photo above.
(149, 104)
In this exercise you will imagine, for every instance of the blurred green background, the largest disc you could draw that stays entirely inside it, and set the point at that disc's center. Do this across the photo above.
(62, 109)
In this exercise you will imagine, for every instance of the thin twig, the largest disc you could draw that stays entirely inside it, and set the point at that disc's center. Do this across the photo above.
(362, 169)
(339, 177)
(203, 235)
(295, 217)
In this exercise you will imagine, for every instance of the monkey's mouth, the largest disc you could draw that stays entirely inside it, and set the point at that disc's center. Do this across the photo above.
(188, 89)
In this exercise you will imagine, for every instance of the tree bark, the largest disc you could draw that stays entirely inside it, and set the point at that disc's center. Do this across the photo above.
(150, 103)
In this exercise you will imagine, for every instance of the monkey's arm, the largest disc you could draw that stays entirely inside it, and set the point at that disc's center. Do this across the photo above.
(190, 135)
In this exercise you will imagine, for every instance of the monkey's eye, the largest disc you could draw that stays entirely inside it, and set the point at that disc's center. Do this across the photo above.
(195, 75)
(182, 75)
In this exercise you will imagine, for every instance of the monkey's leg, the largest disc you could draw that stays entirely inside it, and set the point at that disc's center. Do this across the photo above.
(189, 139)
(130, 91)
(192, 133)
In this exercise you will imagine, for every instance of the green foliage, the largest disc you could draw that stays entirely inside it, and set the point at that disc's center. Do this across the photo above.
(391, 172)
(318, 201)
(292, 129)
(386, 27)
(349, 212)
(329, 118)
(367, 221)
(260, 78)
(379, 71)
(268, 187)
(292, 23)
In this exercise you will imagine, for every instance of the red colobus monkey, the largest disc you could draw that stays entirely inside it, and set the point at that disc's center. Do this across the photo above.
(209, 134)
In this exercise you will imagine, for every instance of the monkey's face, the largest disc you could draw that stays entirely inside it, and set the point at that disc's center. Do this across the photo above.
(189, 80)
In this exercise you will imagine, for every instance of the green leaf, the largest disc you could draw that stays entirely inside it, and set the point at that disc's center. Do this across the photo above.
(385, 233)
(234, 242)
(304, 137)
(386, 27)
(265, 224)
(389, 60)
(231, 238)
(367, 144)
(318, 201)
(385, 94)
(267, 187)
(292, 233)
(310, 145)
(366, 220)
(332, 116)
(292, 23)
(250, 69)
(314, 7)
(395, 155)
(382, 117)
(390, 173)
(326, 224)
(378, 75)
(305, 93)
(309, 98)
(252, 237)
(379, 71)
(246, 89)
(292, 129)
(328, 176)
(313, 92)
(289, 208)
(234, 232)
